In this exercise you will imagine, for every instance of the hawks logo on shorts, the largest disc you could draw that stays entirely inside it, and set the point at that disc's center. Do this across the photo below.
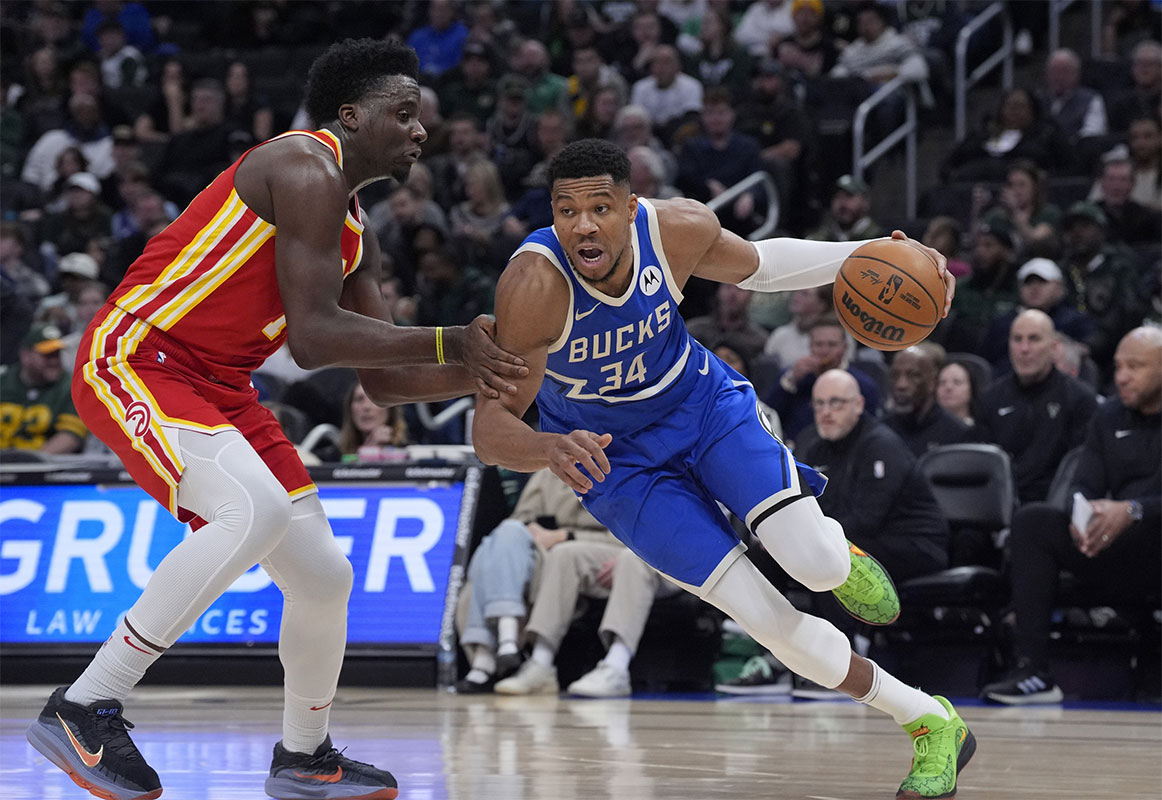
(137, 417)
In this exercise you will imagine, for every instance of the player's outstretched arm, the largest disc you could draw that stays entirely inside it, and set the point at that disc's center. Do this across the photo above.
(696, 244)
(309, 197)
(532, 300)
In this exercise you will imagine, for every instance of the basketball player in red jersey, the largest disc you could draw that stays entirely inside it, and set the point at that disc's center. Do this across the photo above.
(273, 250)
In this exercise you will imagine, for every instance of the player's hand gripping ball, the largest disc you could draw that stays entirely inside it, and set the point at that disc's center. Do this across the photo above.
(889, 294)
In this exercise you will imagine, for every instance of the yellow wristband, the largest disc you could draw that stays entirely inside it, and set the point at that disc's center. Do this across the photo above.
(440, 346)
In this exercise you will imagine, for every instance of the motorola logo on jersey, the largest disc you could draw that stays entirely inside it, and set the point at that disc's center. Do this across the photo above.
(651, 280)
(138, 416)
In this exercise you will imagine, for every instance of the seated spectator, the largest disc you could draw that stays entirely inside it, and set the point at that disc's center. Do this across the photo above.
(730, 318)
(74, 271)
(718, 159)
(645, 37)
(957, 392)
(196, 155)
(1036, 414)
(1041, 285)
(70, 162)
(1146, 156)
(791, 396)
(167, 113)
(396, 221)
(512, 135)
(850, 218)
(83, 220)
(451, 293)
(1079, 111)
(715, 58)
(988, 290)
(465, 145)
(122, 64)
(764, 24)
(367, 425)
(1129, 221)
(914, 414)
(1070, 359)
(554, 130)
(1035, 223)
(944, 234)
(790, 342)
(546, 89)
(1127, 23)
(1142, 99)
(150, 214)
(810, 51)
(89, 297)
(439, 43)
(875, 489)
(1017, 131)
(1117, 552)
(591, 73)
(19, 277)
(633, 127)
(433, 121)
(1101, 281)
(601, 113)
(476, 222)
(38, 404)
(512, 564)
(85, 129)
(880, 53)
(41, 101)
(132, 185)
(246, 110)
(470, 88)
(670, 96)
(773, 116)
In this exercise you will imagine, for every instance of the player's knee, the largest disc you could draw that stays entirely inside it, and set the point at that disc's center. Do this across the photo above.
(270, 509)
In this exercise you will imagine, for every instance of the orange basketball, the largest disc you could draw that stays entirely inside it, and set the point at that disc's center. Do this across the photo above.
(888, 294)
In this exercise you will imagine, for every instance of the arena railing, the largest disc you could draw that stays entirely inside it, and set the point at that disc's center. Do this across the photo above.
(861, 160)
(1057, 8)
(762, 179)
(1002, 56)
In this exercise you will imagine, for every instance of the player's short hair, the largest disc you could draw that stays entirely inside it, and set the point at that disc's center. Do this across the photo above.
(350, 69)
(589, 158)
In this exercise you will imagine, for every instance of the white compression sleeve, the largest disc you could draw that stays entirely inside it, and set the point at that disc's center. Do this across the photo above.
(789, 264)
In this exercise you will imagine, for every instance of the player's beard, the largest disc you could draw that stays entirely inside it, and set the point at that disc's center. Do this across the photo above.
(603, 278)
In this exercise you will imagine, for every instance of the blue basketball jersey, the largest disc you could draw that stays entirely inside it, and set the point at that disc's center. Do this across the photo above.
(620, 362)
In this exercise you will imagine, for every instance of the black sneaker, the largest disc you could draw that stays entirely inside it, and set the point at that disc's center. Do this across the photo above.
(92, 744)
(1024, 686)
(465, 686)
(758, 677)
(326, 774)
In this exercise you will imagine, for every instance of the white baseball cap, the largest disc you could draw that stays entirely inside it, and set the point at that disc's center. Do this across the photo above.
(1043, 268)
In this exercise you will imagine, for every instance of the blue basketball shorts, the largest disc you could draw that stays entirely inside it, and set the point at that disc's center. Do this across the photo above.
(669, 482)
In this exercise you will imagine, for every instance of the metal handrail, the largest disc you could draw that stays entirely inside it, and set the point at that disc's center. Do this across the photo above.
(906, 131)
(446, 415)
(1004, 56)
(1057, 8)
(759, 178)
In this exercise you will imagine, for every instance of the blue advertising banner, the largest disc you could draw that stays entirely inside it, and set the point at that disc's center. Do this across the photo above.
(73, 559)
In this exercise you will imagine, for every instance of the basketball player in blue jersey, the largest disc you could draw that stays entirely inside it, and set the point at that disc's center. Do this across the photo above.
(653, 431)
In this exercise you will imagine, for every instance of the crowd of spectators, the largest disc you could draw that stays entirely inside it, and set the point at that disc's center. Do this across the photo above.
(115, 114)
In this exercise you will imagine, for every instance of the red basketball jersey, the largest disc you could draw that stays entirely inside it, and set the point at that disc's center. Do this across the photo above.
(208, 280)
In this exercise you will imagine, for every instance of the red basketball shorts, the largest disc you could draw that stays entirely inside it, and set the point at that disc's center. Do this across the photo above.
(135, 388)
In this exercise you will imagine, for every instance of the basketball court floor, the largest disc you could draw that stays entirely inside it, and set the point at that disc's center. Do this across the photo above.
(215, 743)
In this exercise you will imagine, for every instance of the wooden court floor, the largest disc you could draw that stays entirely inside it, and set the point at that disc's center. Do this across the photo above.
(215, 743)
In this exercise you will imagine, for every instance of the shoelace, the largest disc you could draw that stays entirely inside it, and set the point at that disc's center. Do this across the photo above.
(756, 664)
(927, 758)
(860, 583)
(117, 729)
(331, 759)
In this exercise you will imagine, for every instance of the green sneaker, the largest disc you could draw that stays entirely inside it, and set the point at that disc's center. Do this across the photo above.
(942, 748)
(868, 594)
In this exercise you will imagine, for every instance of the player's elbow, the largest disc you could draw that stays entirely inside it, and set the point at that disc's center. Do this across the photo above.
(306, 353)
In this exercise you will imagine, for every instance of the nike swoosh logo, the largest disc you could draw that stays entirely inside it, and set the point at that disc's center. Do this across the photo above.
(89, 759)
(579, 315)
(334, 777)
(320, 708)
(135, 647)
(705, 366)
(1122, 434)
(1004, 412)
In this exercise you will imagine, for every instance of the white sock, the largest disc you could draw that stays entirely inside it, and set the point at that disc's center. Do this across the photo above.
(507, 631)
(904, 703)
(482, 661)
(116, 669)
(543, 654)
(619, 655)
(304, 722)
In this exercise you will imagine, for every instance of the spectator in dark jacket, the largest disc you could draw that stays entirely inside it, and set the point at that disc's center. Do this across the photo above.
(1037, 414)
(915, 416)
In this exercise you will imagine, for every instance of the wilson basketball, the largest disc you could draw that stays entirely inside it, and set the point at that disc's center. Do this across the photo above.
(888, 294)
